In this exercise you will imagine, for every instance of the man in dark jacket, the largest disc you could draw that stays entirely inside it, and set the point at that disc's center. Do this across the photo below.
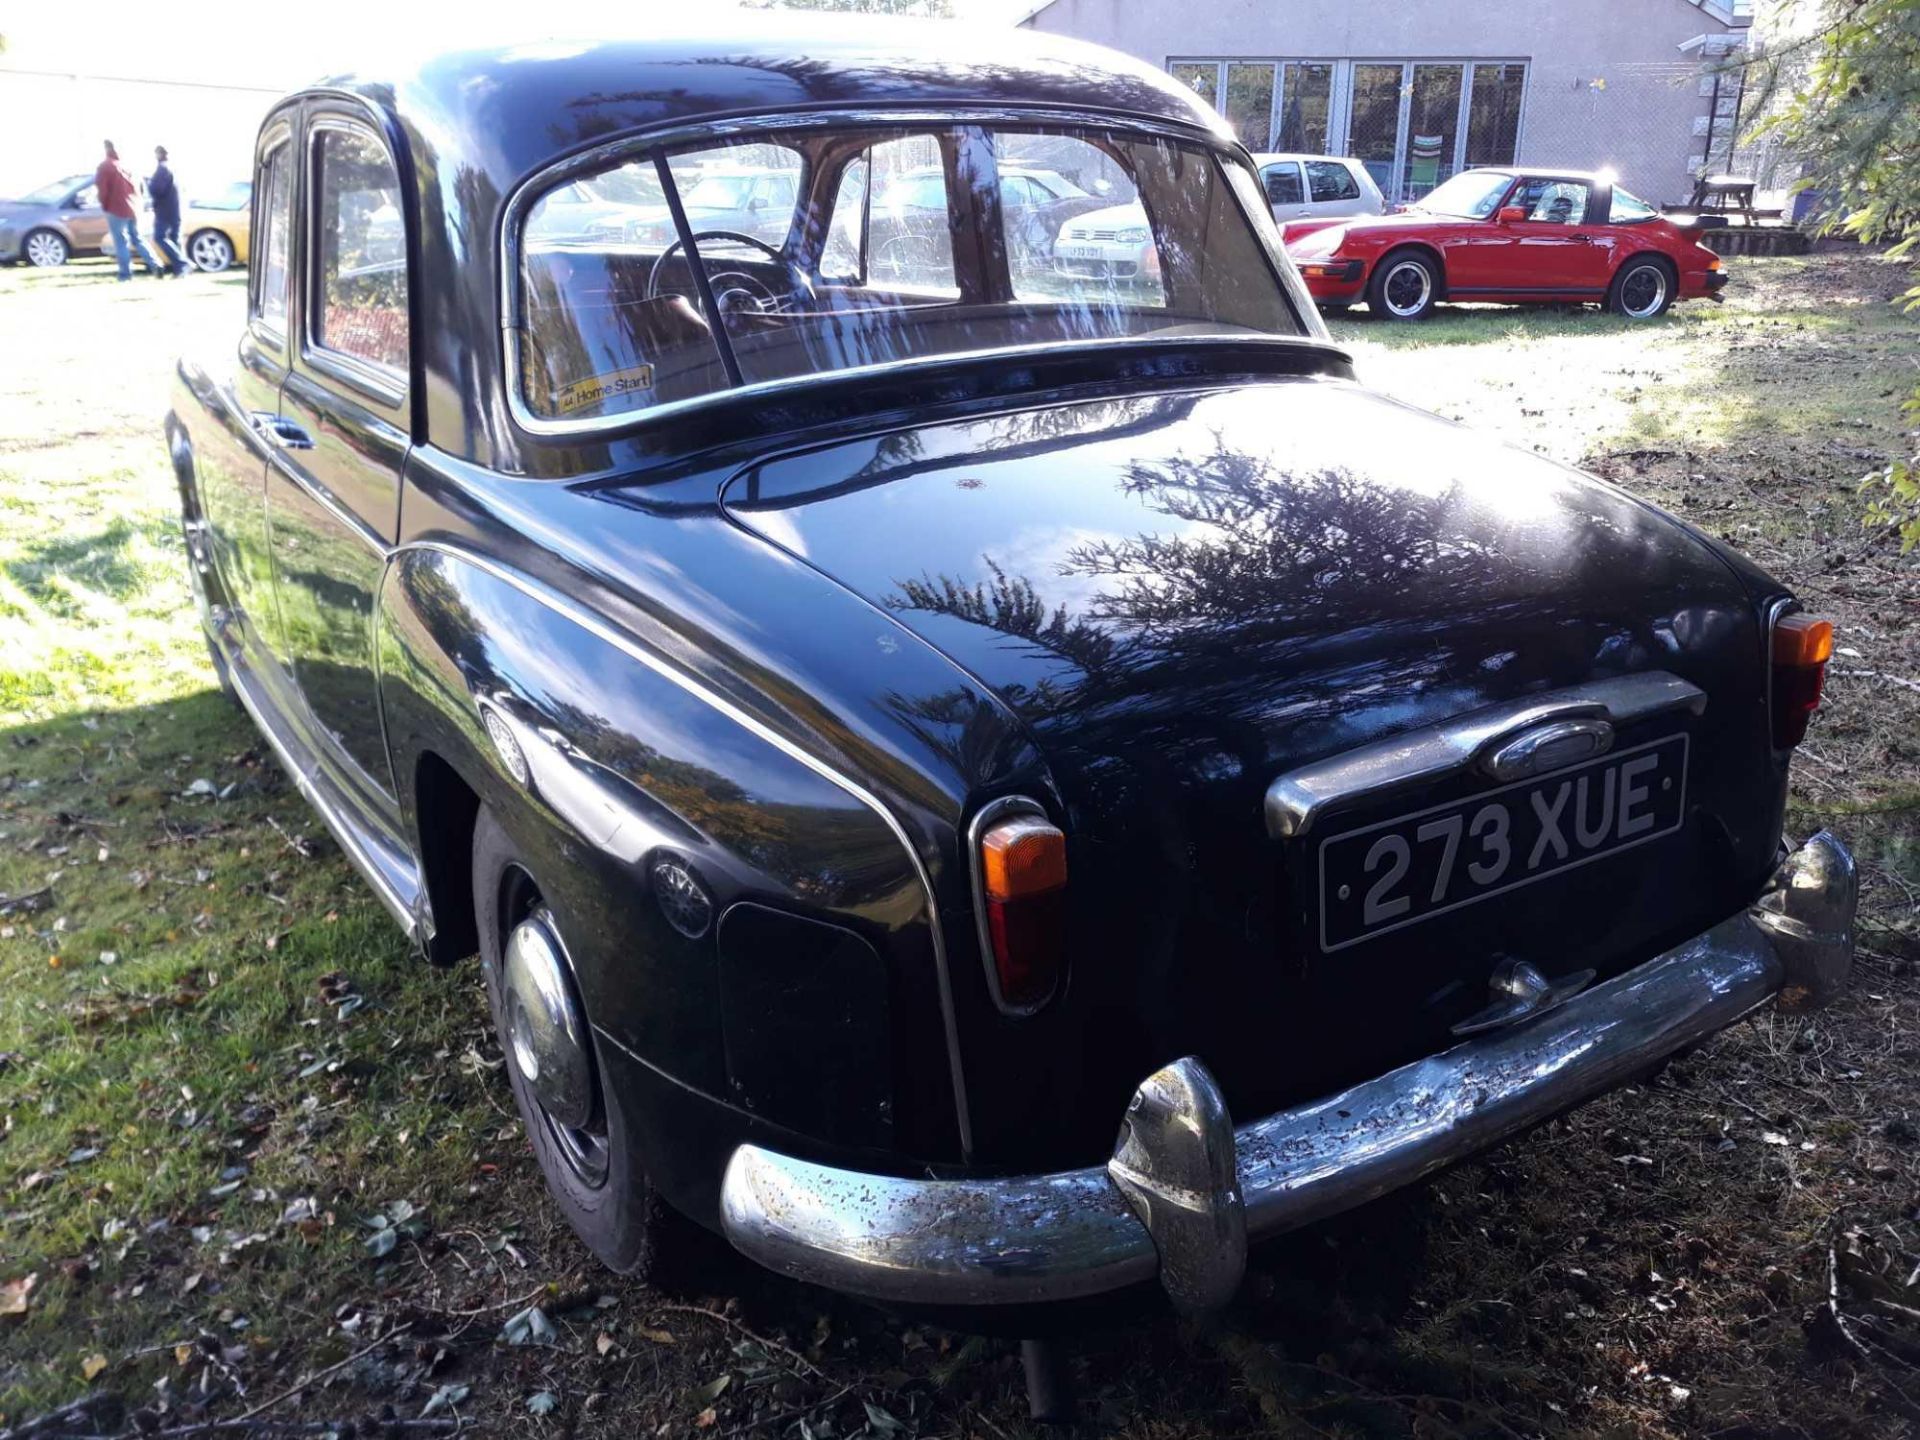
(165, 196)
(116, 190)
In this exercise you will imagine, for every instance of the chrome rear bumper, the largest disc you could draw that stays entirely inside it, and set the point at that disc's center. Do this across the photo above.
(1185, 1191)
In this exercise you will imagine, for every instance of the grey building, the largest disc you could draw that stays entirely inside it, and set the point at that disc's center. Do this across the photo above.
(1418, 89)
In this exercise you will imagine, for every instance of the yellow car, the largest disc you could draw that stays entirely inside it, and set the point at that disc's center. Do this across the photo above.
(214, 230)
(216, 227)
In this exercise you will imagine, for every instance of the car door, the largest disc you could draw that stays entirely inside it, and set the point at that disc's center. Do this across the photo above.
(86, 222)
(341, 441)
(1286, 193)
(1554, 249)
(229, 536)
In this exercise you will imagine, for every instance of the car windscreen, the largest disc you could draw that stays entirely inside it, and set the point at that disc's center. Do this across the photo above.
(52, 194)
(1472, 196)
(848, 247)
(234, 196)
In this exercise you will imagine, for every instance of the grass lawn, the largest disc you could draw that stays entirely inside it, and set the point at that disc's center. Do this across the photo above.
(254, 1154)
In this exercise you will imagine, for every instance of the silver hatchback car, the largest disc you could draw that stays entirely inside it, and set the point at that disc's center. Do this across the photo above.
(1318, 187)
(46, 226)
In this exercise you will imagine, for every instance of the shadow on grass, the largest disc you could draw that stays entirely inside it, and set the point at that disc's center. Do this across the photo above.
(109, 562)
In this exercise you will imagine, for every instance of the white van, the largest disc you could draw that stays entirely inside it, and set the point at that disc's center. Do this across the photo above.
(1318, 187)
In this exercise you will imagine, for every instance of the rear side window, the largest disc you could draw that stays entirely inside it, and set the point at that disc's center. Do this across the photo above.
(1282, 184)
(276, 218)
(360, 253)
(1625, 208)
(1328, 180)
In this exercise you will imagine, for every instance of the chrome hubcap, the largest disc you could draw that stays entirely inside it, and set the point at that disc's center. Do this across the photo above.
(210, 252)
(1642, 292)
(46, 250)
(1408, 287)
(546, 1038)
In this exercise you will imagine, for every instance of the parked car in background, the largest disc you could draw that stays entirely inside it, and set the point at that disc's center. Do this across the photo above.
(585, 214)
(218, 226)
(1112, 243)
(1317, 187)
(45, 226)
(881, 740)
(1514, 236)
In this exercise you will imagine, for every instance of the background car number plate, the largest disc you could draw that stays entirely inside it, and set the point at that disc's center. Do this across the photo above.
(1399, 872)
(1080, 252)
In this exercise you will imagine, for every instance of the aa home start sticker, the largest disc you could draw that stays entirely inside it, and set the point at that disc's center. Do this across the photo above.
(596, 388)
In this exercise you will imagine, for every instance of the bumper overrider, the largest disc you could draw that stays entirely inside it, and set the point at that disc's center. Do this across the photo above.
(1185, 1191)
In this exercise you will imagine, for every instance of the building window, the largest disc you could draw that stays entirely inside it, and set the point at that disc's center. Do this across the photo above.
(1202, 78)
(1413, 123)
(1249, 107)
(1433, 128)
(1306, 104)
(1493, 124)
(1373, 121)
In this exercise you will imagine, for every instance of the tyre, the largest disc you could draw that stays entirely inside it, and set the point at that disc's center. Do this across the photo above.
(577, 1128)
(1404, 286)
(1642, 289)
(45, 249)
(209, 250)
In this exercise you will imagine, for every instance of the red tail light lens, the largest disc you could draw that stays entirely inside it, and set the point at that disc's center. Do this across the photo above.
(1802, 646)
(1023, 894)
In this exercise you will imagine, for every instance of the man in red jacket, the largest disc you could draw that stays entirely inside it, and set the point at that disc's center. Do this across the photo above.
(116, 198)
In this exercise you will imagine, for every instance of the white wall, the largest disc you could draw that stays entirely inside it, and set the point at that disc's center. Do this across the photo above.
(53, 125)
(1607, 85)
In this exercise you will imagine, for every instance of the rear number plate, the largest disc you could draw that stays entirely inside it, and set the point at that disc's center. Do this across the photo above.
(1399, 872)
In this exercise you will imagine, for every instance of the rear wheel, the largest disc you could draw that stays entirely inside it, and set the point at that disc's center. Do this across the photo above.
(210, 250)
(575, 1123)
(1405, 286)
(45, 249)
(1643, 290)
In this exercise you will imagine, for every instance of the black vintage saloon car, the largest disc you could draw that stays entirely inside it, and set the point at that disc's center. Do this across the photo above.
(887, 723)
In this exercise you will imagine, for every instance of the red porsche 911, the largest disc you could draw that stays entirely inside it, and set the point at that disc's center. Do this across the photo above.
(1513, 236)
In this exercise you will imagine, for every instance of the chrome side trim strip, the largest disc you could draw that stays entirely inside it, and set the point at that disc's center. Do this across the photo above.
(1297, 799)
(311, 789)
(632, 648)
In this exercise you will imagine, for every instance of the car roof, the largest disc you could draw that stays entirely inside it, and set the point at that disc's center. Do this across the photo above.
(510, 108)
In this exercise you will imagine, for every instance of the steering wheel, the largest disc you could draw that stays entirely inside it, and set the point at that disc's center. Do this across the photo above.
(736, 291)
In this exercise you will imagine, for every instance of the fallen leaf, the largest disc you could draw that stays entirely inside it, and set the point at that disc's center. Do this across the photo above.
(93, 1365)
(704, 1420)
(713, 1389)
(445, 1398)
(659, 1337)
(183, 1355)
(541, 1402)
(1772, 1137)
(14, 1296)
(529, 1327)
(602, 1343)
(880, 1419)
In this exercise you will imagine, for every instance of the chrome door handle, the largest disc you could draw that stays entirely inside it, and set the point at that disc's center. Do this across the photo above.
(279, 430)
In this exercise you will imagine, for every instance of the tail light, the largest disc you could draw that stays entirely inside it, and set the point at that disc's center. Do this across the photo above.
(1020, 867)
(1801, 647)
